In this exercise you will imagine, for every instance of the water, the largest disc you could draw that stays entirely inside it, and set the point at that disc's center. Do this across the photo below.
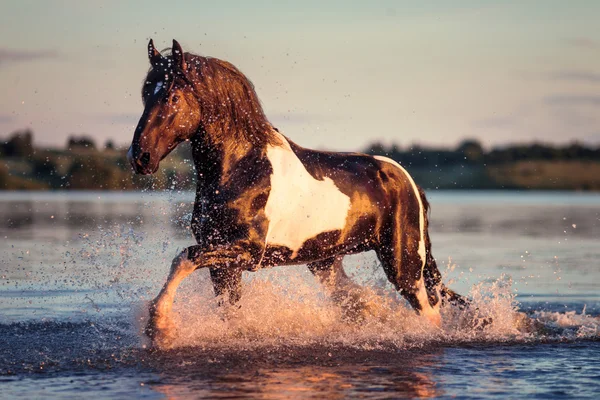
(77, 270)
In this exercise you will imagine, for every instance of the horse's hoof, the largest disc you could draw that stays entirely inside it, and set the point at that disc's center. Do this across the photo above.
(161, 332)
(435, 319)
(163, 342)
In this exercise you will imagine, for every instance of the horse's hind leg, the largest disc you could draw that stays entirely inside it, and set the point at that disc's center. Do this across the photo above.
(402, 253)
(342, 289)
(433, 284)
(433, 279)
(227, 281)
(330, 273)
(435, 287)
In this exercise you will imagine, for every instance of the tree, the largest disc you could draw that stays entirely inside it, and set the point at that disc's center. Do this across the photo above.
(80, 142)
(472, 151)
(20, 144)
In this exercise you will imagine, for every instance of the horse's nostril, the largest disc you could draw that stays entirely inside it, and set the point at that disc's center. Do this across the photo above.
(145, 159)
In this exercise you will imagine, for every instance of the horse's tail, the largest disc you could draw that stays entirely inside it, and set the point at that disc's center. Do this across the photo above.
(431, 273)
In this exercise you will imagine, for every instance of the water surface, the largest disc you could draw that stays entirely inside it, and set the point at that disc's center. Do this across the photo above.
(77, 269)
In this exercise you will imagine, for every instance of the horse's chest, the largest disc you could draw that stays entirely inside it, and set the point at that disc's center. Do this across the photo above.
(299, 206)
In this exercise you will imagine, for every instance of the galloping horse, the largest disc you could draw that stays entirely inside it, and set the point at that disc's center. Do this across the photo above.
(263, 200)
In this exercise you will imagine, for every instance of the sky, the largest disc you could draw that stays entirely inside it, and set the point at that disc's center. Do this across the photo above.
(334, 75)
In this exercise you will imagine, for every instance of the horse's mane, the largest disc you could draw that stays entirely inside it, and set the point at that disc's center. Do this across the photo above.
(229, 104)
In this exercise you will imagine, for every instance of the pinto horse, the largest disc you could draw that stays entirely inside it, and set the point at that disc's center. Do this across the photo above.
(263, 200)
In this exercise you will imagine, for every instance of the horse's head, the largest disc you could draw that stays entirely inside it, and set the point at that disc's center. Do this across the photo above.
(185, 94)
(171, 110)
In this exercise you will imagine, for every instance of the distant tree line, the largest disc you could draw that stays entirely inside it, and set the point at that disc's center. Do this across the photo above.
(82, 165)
(20, 144)
(471, 152)
(470, 166)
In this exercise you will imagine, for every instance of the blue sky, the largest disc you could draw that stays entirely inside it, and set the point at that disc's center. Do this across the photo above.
(330, 74)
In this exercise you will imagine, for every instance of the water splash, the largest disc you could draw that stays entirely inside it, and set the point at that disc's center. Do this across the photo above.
(280, 308)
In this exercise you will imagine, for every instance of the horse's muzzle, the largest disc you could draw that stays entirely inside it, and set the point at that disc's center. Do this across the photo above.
(141, 165)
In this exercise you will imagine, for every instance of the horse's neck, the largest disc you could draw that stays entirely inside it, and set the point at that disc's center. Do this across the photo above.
(215, 162)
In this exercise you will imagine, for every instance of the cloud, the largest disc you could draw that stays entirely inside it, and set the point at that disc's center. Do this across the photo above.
(511, 120)
(584, 42)
(10, 56)
(556, 117)
(593, 137)
(572, 100)
(6, 119)
(117, 118)
(576, 76)
(575, 117)
(499, 122)
(299, 118)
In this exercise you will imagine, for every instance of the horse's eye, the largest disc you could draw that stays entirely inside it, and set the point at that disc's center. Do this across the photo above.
(174, 99)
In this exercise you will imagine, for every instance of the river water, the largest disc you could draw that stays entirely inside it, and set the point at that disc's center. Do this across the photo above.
(77, 270)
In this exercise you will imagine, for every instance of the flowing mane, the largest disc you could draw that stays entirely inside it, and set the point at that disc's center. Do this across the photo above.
(228, 101)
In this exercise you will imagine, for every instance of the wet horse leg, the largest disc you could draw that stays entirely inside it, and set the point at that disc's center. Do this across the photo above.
(227, 281)
(433, 282)
(330, 273)
(160, 328)
(435, 287)
(342, 289)
(400, 253)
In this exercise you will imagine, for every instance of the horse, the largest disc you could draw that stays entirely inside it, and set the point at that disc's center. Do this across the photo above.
(263, 201)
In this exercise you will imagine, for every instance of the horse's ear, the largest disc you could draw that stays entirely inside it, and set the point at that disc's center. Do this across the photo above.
(178, 55)
(153, 55)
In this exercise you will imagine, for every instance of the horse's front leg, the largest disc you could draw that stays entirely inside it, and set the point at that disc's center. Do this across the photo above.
(228, 282)
(160, 328)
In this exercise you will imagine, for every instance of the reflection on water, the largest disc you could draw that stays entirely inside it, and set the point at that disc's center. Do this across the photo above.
(74, 213)
(476, 372)
(17, 215)
(503, 371)
(339, 376)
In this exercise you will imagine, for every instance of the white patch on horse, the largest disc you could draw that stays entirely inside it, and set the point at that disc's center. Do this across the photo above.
(158, 87)
(422, 252)
(299, 206)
